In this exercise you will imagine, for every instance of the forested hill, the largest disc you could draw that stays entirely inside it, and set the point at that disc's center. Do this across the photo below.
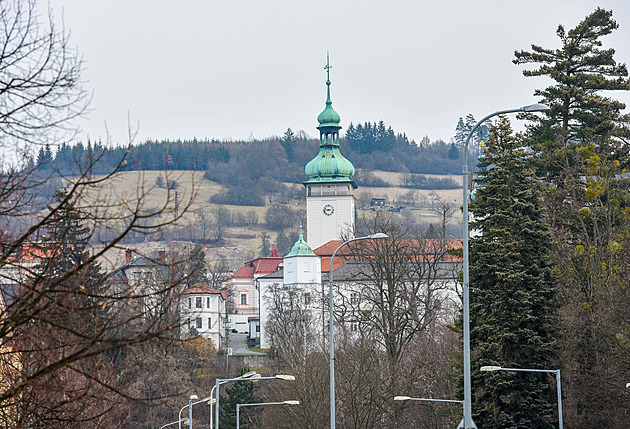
(368, 146)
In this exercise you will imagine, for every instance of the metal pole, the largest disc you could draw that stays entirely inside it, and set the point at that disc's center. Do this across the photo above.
(225, 380)
(190, 414)
(238, 412)
(559, 399)
(331, 329)
(216, 416)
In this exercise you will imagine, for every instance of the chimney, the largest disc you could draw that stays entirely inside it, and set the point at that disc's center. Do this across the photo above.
(162, 255)
(128, 255)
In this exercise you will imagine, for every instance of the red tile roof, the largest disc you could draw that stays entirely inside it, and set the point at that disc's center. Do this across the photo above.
(344, 256)
(257, 267)
(200, 288)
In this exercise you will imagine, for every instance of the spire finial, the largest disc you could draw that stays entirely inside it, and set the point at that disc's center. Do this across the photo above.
(301, 236)
(327, 68)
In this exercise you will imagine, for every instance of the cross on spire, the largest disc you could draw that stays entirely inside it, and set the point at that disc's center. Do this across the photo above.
(327, 67)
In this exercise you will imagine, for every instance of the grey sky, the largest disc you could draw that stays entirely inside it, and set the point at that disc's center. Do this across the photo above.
(252, 68)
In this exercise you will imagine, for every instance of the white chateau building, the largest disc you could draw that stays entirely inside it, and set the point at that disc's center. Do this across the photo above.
(203, 312)
(296, 291)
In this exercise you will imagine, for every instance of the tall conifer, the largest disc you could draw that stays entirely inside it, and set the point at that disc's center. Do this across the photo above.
(512, 303)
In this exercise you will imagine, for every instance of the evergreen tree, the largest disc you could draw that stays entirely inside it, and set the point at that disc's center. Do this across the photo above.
(512, 300)
(460, 132)
(583, 161)
(265, 245)
(288, 142)
(197, 267)
(581, 70)
(453, 152)
(76, 278)
(240, 392)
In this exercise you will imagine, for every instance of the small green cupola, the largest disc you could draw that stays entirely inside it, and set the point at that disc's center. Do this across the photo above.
(329, 166)
(300, 248)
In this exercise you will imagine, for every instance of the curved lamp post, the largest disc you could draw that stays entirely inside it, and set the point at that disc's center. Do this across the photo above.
(330, 322)
(407, 398)
(185, 421)
(467, 422)
(189, 406)
(225, 380)
(552, 371)
(238, 408)
(248, 375)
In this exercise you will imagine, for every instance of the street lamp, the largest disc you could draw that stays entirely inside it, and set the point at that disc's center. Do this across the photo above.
(407, 398)
(467, 422)
(238, 408)
(552, 371)
(330, 322)
(248, 375)
(189, 406)
(174, 423)
(225, 380)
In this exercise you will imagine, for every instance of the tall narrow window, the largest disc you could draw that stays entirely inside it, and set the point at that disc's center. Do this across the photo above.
(189, 302)
(209, 323)
(354, 298)
(243, 299)
(199, 323)
(198, 302)
(208, 302)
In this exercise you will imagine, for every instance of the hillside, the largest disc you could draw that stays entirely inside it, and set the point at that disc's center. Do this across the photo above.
(242, 226)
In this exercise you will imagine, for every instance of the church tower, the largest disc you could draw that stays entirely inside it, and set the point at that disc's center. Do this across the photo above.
(330, 203)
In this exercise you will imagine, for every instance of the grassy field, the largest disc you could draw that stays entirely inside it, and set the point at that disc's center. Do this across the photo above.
(133, 188)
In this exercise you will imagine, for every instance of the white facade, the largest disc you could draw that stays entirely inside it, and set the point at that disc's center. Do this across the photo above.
(330, 212)
(304, 273)
(203, 312)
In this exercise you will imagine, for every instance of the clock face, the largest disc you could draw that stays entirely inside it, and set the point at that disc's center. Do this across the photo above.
(328, 210)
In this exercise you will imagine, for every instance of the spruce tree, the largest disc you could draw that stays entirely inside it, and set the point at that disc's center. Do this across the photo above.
(197, 267)
(512, 300)
(239, 392)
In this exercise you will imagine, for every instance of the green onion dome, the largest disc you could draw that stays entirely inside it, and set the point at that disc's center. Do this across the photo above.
(300, 248)
(329, 165)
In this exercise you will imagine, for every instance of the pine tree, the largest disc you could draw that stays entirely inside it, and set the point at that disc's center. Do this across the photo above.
(581, 71)
(460, 132)
(583, 158)
(197, 267)
(265, 245)
(512, 300)
(240, 392)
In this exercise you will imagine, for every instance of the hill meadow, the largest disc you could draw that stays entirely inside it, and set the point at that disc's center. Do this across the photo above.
(239, 198)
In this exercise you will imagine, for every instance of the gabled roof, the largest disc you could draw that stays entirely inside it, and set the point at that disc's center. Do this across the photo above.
(258, 267)
(201, 288)
(344, 256)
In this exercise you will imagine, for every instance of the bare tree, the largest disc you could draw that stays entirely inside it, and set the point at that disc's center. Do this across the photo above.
(63, 324)
(40, 77)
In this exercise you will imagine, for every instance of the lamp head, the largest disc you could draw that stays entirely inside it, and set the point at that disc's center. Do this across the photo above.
(194, 397)
(285, 377)
(292, 402)
(248, 374)
(490, 368)
(535, 108)
(401, 398)
(185, 421)
(378, 235)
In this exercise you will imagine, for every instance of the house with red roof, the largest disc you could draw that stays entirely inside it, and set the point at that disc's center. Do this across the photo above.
(242, 290)
(202, 310)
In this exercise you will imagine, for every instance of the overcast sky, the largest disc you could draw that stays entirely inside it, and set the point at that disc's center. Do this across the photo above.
(252, 68)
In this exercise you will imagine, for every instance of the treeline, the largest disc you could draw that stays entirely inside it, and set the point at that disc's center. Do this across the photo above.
(368, 146)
